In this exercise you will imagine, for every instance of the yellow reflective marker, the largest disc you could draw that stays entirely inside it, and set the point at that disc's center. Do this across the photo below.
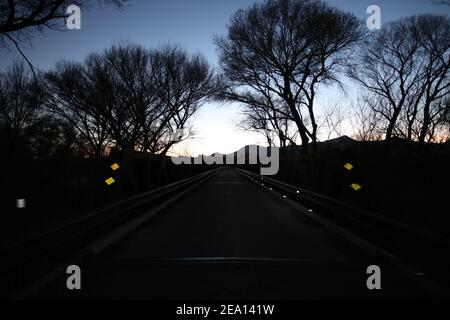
(109, 181)
(348, 166)
(355, 186)
(115, 166)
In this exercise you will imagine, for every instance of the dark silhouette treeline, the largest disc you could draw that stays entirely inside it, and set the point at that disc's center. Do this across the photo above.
(278, 56)
(128, 98)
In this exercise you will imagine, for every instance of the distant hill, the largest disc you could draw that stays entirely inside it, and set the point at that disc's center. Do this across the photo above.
(343, 143)
(340, 143)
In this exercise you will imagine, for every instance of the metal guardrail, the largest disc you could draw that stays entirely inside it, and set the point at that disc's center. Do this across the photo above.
(412, 245)
(47, 248)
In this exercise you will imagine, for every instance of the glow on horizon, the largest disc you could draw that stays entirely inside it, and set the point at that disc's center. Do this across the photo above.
(216, 131)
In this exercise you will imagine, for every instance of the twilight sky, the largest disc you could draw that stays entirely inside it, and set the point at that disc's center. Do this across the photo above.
(192, 24)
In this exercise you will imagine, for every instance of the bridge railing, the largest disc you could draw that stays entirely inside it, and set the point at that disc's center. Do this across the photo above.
(44, 249)
(413, 245)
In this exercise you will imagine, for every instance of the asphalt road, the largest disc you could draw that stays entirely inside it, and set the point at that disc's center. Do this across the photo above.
(186, 251)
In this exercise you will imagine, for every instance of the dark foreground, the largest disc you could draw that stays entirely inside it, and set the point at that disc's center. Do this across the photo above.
(233, 239)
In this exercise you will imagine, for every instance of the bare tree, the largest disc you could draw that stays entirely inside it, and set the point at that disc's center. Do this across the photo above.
(184, 84)
(445, 116)
(26, 128)
(389, 68)
(445, 121)
(130, 98)
(405, 68)
(434, 33)
(74, 99)
(365, 121)
(20, 20)
(21, 98)
(107, 98)
(333, 117)
(258, 120)
(27, 16)
(282, 50)
(130, 93)
(266, 120)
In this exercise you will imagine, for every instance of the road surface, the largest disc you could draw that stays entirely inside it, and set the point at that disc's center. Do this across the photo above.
(231, 238)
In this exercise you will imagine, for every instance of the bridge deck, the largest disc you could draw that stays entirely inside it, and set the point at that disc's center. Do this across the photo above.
(186, 250)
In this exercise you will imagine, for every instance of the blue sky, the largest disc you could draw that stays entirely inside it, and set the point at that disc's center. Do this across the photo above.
(193, 24)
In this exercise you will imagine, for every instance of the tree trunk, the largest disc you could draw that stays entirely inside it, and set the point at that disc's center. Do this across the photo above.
(392, 123)
(426, 123)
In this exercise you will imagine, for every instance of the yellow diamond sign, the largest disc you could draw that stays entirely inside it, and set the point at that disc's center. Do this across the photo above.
(115, 166)
(109, 181)
(348, 166)
(355, 186)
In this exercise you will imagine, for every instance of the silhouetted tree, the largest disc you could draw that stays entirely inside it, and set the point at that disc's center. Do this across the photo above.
(281, 51)
(267, 121)
(75, 97)
(405, 66)
(184, 84)
(434, 32)
(445, 120)
(158, 92)
(26, 129)
(446, 112)
(132, 105)
(130, 98)
(365, 121)
(21, 19)
(333, 118)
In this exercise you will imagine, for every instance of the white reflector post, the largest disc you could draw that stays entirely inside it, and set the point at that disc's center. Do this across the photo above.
(20, 203)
